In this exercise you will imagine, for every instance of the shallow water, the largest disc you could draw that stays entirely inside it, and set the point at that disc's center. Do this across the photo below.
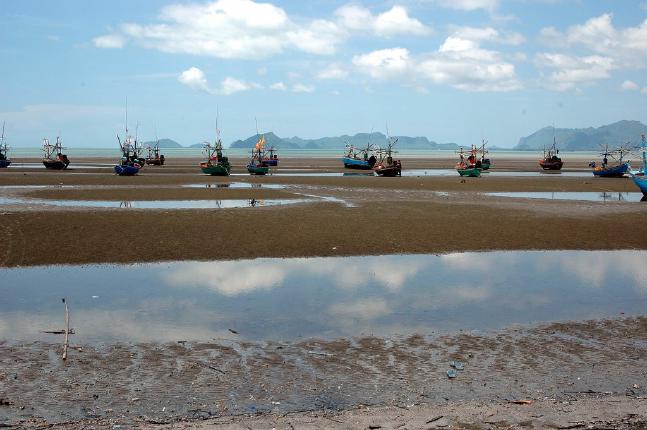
(155, 204)
(236, 185)
(442, 172)
(572, 195)
(289, 299)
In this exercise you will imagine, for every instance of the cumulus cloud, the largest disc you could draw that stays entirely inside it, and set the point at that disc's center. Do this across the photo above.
(279, 86)
(195, 78)
(460, 63)
(384, 63)
(333, 71)
(302, 88)
(295, 88)
(109, 41)
(469, 5)
(572, 71)
(245, 29)
(488, 34)
(629, 86)
(394, 21)
(609, 47)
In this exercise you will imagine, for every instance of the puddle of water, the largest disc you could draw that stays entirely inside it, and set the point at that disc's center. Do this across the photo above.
(289, 299)
(445, 172)
(71, 167)
(584, 196)
(236, 185)
(497, 173)
(155, 204)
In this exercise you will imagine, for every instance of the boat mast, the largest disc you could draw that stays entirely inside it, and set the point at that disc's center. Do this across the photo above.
(644, 148)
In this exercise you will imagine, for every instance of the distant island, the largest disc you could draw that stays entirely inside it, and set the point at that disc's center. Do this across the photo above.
(338, 142)
(164, 143)
(583, 139)
(568, 139)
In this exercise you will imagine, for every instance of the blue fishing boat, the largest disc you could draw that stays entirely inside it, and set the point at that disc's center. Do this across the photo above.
(640, 177)
(127, 169)
(363, 159)
(618, 170)
(130, 162)
(4, 159)
(271, 158)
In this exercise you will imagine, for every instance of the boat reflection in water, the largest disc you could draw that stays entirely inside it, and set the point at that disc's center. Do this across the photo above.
(295, 298)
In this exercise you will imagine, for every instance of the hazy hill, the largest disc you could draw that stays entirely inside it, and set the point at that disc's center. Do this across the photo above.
(359, 140)
(164, 143)
(584, 139)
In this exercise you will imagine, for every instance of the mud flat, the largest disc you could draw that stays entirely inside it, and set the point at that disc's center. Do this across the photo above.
(588, 371)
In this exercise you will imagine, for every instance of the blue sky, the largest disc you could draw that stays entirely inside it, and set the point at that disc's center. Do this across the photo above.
(451, 70)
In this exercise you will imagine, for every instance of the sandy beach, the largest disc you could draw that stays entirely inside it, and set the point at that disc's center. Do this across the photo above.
(574, 374)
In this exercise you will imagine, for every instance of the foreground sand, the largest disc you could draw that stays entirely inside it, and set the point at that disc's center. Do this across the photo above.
(586, 372)
(578, 374)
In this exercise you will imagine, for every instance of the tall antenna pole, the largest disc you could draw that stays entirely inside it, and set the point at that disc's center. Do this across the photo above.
(126, 116)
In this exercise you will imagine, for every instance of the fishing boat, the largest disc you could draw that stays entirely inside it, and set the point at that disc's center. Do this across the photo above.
(485, 162)
(54, 157)
(386, 165)
(4, 158)
(216, 164)
(271, 158)
(617, 170)
(468, 167)
(257, 165)
(551, 161)
(130, 163)
(363, 159)
(640, 177)
(154, 157)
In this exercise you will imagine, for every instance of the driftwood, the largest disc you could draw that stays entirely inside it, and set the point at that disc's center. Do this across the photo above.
(67, 331)
(71, 331)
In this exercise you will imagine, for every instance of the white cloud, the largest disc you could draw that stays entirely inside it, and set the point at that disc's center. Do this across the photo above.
(629, 86)
(231, 85)
(195, 78)
(459, 63)
(571, 71)
(109, 41)
(644, 90)
(627, 46)
(280, 86)
(245, 29)
(469, 5)
(384, 63)
(333, 71)
(295, 88)
(394, 21)
(488, 34)
(302, 88)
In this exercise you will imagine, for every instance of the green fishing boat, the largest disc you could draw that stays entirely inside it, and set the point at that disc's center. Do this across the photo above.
(258, 165)
(216, 164)
(471, 166)
(471, 172)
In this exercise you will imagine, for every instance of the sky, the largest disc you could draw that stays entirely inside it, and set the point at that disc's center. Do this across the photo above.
(450, 70)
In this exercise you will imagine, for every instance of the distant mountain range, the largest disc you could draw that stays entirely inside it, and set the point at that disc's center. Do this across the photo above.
(568, 139)
(358, 140)
(584, 139)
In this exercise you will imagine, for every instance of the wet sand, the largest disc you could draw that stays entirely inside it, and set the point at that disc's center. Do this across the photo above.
(569, 367)
(145, 384)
